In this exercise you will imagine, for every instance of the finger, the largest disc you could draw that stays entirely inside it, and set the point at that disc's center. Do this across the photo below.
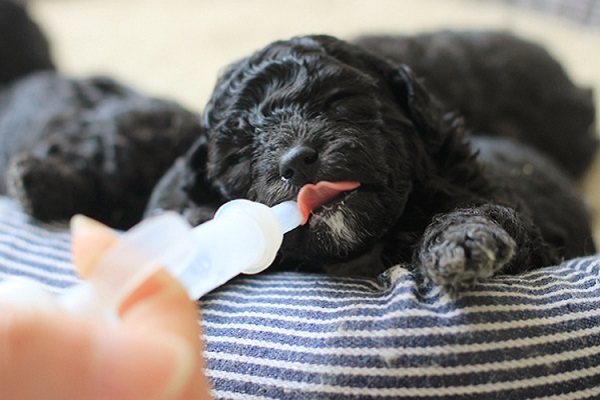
(19, 293)
(43, 356)
(162, 305)
(22, 353)
(90, 240)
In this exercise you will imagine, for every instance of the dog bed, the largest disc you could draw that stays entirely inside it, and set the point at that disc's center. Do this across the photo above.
(305, 336)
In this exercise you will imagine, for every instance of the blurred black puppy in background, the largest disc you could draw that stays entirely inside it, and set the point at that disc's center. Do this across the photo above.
(504, 86)
(90, 146)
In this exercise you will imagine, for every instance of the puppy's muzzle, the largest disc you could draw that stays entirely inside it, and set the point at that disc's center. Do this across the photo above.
(299, 165)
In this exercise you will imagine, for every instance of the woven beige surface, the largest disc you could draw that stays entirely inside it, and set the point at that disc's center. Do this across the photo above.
(175, 48)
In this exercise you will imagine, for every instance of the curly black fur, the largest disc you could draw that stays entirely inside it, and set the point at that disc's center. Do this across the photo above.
(502, 85)
(88, 146)
(315, 108)
(70, 146)
(462, 208)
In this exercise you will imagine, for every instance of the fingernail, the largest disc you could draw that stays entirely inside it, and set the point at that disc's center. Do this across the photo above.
(134, 365)
(90, 239)
(80, 223)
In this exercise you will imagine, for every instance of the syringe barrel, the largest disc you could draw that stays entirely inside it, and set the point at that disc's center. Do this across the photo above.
(244, 237)
(138, 254)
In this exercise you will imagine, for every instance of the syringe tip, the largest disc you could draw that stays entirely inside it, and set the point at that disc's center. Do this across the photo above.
(289, 215)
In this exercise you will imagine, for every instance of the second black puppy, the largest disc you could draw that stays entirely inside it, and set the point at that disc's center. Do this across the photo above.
(502, 85)
(404, 182)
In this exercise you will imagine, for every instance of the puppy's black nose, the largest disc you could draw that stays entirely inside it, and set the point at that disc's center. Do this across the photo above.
(299, 165)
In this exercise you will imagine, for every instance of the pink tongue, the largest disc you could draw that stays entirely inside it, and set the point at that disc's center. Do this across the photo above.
(314, 196)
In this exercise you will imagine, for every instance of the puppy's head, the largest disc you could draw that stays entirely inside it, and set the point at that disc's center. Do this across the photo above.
(316, 109)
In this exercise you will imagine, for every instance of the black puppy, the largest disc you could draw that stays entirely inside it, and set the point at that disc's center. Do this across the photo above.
(316, 109)
(69, 146)
(90, 146)
(319, 110)
(502, 85)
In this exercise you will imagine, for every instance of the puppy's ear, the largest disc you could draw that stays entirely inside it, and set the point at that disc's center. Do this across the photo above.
(441, 145)
(185, 188)
(195, 183)
(423, 109)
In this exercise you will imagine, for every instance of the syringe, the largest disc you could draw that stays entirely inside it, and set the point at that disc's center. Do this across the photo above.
(244, 237)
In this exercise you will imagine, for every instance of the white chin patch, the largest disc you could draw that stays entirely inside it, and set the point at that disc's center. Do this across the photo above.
(344, 232)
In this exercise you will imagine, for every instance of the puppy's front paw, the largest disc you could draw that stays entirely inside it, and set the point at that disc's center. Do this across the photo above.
(460, 255)
(48, 189)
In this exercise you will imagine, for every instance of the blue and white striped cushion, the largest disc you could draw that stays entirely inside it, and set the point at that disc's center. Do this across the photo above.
(307, 336)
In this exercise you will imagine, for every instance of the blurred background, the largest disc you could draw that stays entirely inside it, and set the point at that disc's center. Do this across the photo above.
(176, 48)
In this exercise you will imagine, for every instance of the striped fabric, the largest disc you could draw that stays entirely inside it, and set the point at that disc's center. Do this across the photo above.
(307, 336)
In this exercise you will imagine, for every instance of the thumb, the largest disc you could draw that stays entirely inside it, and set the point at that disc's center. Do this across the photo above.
(137, 364)
(90, 240)
(156, 349)
(52, 356)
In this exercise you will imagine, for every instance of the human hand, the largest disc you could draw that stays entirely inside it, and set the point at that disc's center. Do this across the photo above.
(153, 353)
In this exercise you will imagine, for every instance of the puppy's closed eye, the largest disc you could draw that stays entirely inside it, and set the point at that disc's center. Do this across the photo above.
(237, 158)
(339, 99)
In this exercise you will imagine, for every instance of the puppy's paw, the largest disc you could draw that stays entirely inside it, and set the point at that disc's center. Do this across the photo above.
(461, 255)
(47, 189)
